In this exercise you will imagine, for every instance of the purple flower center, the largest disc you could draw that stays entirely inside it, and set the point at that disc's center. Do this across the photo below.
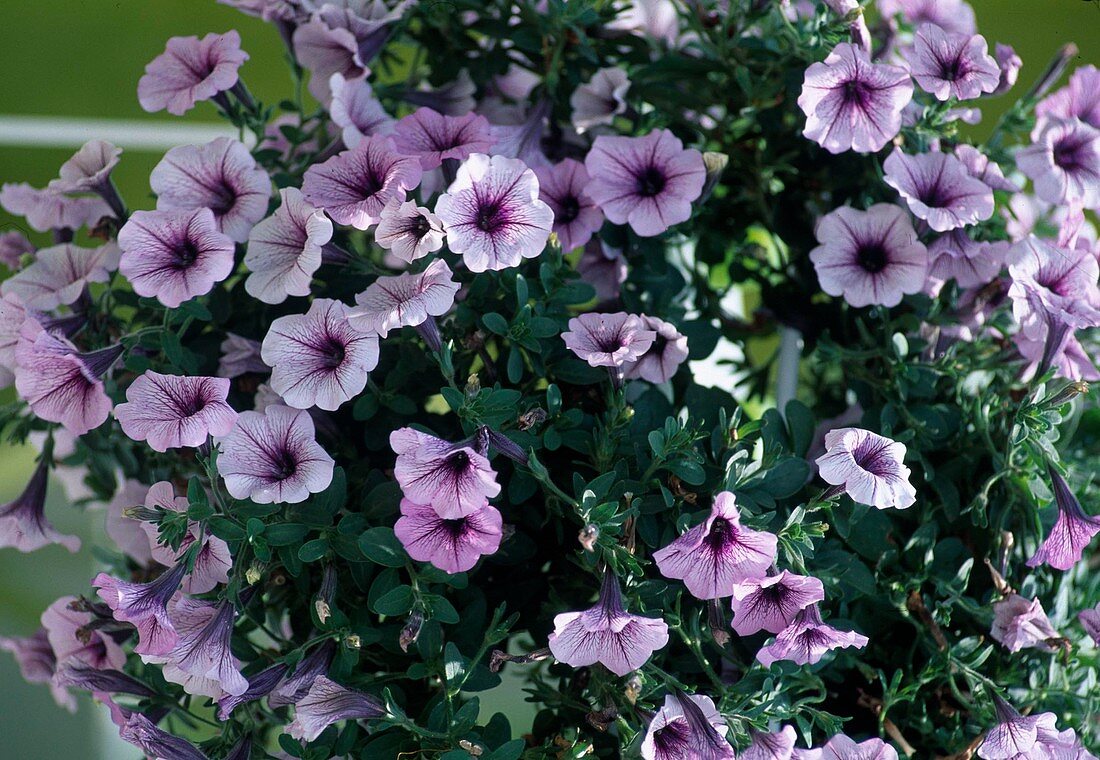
(419, 227)
(570, 209)
(332, 352)
(673, 739)
(371, 184)
(609, 343)
(651, 182)
(459, 462)
(872, 257)
(855, 93)
(953, 69)
(286, 464)
(185, 254)
(455, 528)
(1067, 153)
(722, 535)
(224, 198)
(873, 456)
(491, 216)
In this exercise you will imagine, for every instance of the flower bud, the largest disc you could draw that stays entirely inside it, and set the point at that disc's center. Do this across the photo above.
(411, 632)
(588, 536)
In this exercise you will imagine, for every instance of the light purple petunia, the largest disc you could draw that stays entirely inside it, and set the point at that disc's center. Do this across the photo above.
(869, 467)
(201, 660)
(1010, 64)
(453, 545)
(1080, 99)
(145, 606)
(980, 167)
(14, 245)
(59, 274)
(453, 478)
(408, 231)
(609, 340)
(23, 523)
(273, 457)
(563, 187)
(89, 171)
(970, 263)
(600, 99)
(174, 256)
(770, 603)
(806, 640)
(220, 175)
(213, 560)
(285, 249)
(1072, 531)
(1069, 359)
(1090, 621)
(647, 182)
(953, 15)
(319, 358)
(138, 730)
(48, 209)
(661, 360)
(853, 104)
(687, 726)
(297, 683)
(325, 51)
(951, 65)
(939, 189)
(191, 70)
(1021, 623)
(604, 268)
(774, 746)
(356, 111)
(402, 300)
(173, 411)
(37, 664)
(328, 702)
(869, 257)
(717, 554)
(240, 356)
(1018, 737)
(1063, 161)
(354, 186)
(74, 641)
(1052, 285)
(125, 532)
(843, 747)
(607, 634)
(434, 137)
(493, 215)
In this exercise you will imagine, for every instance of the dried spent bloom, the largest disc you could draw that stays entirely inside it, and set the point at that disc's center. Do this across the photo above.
(647, 182)
(402, 300)
(239, 356)
(661, 360)
(408, 231)
(1064, 162)
(938, 188)
(869, 257)
(73, 641)
(493, 215)
(172, 411)
(452, 478)
(853, 104)
(356, 111)
(273, 458)
(319, 358)
(145, 606)
(843, 747)
(37, 664)
(23, 523)
(609, 340)
(716, 555)
(806, 640)
(328, 702)
(285, 249)
(600, 99)
(774, 746)
(174, 256)
(868, 466)
(48, 209)
(212, 559)
(453, 545)
(354, 186)
(59, 274)
(1072, 531)
(191, 70)
(770, 603)
(220, 175)
(433, 137)
(607, 634)
(687, 726)
(951, 65)
(1021, 623)
(563, 187)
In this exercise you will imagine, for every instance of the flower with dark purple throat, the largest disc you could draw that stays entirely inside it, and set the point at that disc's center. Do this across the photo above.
(807, 639)
(453, 545)
(23, 523)
(1063, 161)
(402, 300)
(600, 99)
(687, 726)
(868, 467)
(774, 746)
(1033, 736)
(659, 363)
(1072, 531)
(770, 603)
(191, 70)
(614, 341)
(938, 188)
(408, 231)
(454, 479)
(145, 606)
(328, 702)
(1052, 286)
(951, 65)
(60, 274)
(174, 411)
(563, 187)
(434, 137)
(286, 249)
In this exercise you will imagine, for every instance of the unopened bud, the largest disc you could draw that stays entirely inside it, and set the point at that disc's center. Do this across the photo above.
(532, 418)
(633, 688)
(472, 749)
(411, 632)
(499, 657)
(588, 536)
(352, 641)
(1069, 392)
(254, 573)
(473, 385)
(715, 164)
(716, 619)
(323, 610)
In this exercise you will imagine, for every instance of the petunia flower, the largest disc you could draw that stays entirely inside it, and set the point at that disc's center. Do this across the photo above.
(356, 111)
(980, 167)
(23, 523)
(285, 250)
(220, 175)
(770, 603)
(37, 664)
(452, 478)
(328, 702)
(563, 187)
(687, 726)
(604, 268)
(716, 555)
(212, 560)
(1063, 161)
(354, 186)
(297, 683)
(48, 209)
(661, 360)
(774, 746)
(1021, 623)
(955, 256)
(607, 634)
(191, 70)
(938, 188)
(239, 356)
(1072, 531)
(1016, 737)
(1080, 99)
(389, 303)
(59, 274)
(324, 50)
(806, 640)
(853, 104)
(1010, 64)
(453, 545)
(14, 245)
(609, 340)
(201, 660)
(600, 99)
(869, 467)
(408, 231)
(89, 171)
(73, 640)
(1069, 358)
(172, 411)
(77, 675)
(952, 15)
(433, 137)
(125, 532)
(1090, 621)
(174, 256)
(493, 215)
(145, 606)
(259, 686)
(155, 742)
(951, 65)
(1052, 285)
(647, 182)
(319, 358)
(843, 747)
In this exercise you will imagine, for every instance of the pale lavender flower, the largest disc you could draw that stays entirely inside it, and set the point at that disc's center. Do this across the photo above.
(356, 111)
(240, 356)
(297, 684)
(687, 726)
(1019, 737)
(125, 532)
(523, 140)
(259, 686)
(1069, 359)
(220, 175)
(23, 523)
(173, 411)
(718, 553)
(770, 603)
(1021, 623)
(647, 182)
(213, 560)
(853, 104)
(563, 187)
(1052, 285)
(493, 215)
(951, 65)
(1090, 621)
(285, 249)
(174, 256)
(869, 257)
(607, 634)
(980, 167)
(609, 340)
(201, 660)
(453, 478)
(61, 384)
(970, 263)
(191, 70)
(37, 664)
(145, 606)
(952, 15)
(656, 19)
(939, 189)
(660, 362)
(868, 466)
(354, 186)
(389, 303)
(328, 702)
(434, 137)
(843, 747)
(14, 245)
(324, 51)
(806, 640)
(453, 545)
(453, 98)
(1010, 64)
(1064, 162)
(73, 641)
(268, 10)
(604, 268)
(774, 746)
(48, 209)
(1080, 99)
(89, 170)
(273, 458)
(408, 231)
(319, 358)
(1072, 531)
(600, 99)
(59, 274)
(155, 742)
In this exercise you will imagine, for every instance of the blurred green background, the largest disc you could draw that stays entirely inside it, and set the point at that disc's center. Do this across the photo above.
(81, 59)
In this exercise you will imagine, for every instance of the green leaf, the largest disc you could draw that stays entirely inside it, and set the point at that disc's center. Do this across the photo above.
(312, 551)
(495, 323)
(284, 534)
(395, 602)
(381, 547)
